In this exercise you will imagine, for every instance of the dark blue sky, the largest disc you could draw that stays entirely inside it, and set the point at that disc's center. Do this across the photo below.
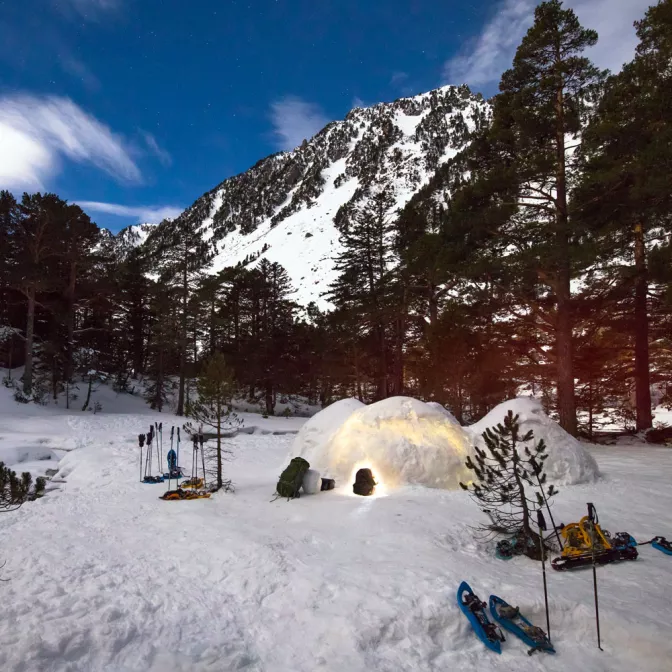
(141, 103)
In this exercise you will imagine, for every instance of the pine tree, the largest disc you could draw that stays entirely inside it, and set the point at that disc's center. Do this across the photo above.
(502, 470)
(212, 409)
(523, 168)
(362, 290)
(180, 257)
(625, 197)
(15, 490)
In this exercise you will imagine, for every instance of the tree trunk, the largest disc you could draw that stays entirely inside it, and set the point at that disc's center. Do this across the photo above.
(88, 394)
(563, 327)
(382, 364)
(69, 353)
(642, 382)
(219, 445)
(183, 340)
(269, 398)
(30, 337)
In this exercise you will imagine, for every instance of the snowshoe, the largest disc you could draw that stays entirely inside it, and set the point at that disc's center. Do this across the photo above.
(512, 620)
(504, 549)
(474, 610)
(152, 479)
(662, 544)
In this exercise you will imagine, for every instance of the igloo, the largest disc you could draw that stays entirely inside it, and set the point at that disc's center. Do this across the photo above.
(568, 462)
(402, 440)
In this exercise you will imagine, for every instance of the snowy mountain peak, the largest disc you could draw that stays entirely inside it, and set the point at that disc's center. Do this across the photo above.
(288, 206)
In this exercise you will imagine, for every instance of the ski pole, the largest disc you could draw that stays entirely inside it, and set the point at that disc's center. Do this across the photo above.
(202, 457)
(542, 528)
(592, 517)
(548, 508)
(194, 458)
(161, 438)
(178, 450)
(141, 443)
(156, 434)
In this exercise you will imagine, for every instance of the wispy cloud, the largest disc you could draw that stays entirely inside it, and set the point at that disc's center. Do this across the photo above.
(90, 9)
(79, 70)
(153, 146)
(146, 214)
(483, 60)
(295, 120)
(36, 132)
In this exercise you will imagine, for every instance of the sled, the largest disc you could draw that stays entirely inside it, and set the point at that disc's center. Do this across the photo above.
(472, 607)
(579, 551)
(512, 620)
(179, 495)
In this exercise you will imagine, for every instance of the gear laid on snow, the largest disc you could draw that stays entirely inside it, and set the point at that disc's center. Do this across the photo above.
(291, 478)
(364, 484)
(512, 620)
(173, 495)
(474, 609)
(328, 484)
(586, 540)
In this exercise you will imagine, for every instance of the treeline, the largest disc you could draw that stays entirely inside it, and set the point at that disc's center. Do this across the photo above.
(539, 259)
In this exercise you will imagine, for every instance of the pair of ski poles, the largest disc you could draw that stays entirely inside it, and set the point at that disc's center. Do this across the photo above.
(196, 438)
(592, 518)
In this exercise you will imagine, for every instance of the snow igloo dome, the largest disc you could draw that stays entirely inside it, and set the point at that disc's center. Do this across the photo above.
(402, 440)
(569, 462)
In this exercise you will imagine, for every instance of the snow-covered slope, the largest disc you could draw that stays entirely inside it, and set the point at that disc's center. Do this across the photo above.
(288, 206)
(103, 576)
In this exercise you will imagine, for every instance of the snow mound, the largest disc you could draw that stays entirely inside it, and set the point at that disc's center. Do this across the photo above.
(444, 410)
(402, 440)
(568, 462)
(318, 430)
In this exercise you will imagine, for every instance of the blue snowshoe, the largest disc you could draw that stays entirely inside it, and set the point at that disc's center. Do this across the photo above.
(662, 544)
(512, 620)
(152, 479)
(474, 610)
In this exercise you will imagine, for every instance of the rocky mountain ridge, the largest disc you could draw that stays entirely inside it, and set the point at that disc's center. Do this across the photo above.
(289, 206)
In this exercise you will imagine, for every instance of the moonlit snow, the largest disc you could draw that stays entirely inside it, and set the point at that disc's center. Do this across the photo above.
(103, 576)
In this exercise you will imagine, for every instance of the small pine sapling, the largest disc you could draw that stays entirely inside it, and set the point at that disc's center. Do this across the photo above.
(212, 409)
(15, 490)
(502, 470)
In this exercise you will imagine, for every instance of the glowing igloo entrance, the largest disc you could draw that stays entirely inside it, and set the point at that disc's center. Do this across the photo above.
(402, 440)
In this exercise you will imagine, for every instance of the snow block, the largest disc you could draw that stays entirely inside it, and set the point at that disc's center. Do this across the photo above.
(312, 482)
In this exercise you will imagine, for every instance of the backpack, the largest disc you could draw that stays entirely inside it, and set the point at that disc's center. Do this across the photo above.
(292, 478)
(364, 483)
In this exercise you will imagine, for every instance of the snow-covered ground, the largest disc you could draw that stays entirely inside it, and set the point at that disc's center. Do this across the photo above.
(104, 576)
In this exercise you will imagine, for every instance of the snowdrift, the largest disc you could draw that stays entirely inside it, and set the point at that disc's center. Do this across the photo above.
(568, 463)
(402, 440)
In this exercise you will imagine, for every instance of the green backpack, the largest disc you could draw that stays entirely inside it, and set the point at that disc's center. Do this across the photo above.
(292, 478)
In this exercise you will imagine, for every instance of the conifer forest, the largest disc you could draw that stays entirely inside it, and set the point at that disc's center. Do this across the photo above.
(538, 257)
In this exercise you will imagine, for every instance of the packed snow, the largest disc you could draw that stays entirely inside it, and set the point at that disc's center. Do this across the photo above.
(402, 440)
(568, 462)
(103, 576)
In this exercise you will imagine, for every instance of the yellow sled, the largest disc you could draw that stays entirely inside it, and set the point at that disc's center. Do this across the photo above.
(178, 495)
(578, 539)
(193, 483)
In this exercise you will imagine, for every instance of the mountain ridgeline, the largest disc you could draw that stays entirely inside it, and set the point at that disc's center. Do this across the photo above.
(291, 207)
